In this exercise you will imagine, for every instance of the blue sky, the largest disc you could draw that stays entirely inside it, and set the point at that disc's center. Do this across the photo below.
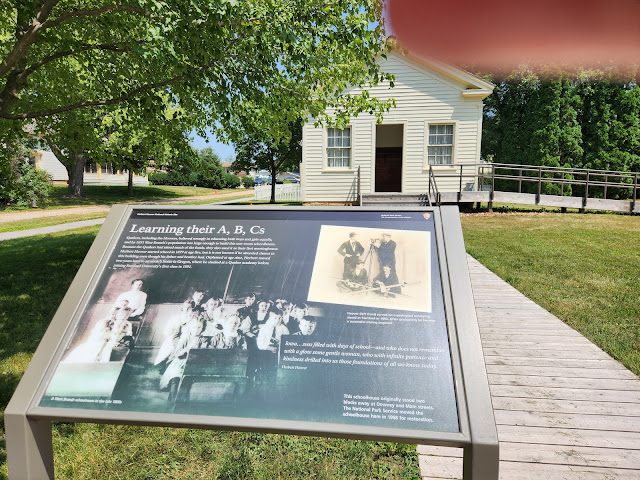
(224, 151)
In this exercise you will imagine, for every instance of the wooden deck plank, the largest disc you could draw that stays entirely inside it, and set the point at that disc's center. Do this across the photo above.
(568, 436)
(618, 423)
(546, 353)
(588, 383)
(565, 372)
(564, 409)
(583, 407)
(554, 454)
(551, 393)
(552, 362)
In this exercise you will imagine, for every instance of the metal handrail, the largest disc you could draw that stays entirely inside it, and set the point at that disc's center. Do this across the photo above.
(536, 174)
(433, 187)
(359, 192)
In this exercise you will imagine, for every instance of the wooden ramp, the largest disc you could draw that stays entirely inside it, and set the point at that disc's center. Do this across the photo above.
(564, 409)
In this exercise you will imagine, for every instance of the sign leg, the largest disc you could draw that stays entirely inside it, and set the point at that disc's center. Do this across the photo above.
(480, 462)
(29, 447)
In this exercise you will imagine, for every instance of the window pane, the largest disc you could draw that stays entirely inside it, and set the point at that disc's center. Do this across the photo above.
(338, 147)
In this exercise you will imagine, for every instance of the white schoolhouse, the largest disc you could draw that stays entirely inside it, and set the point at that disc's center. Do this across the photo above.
(437, 121)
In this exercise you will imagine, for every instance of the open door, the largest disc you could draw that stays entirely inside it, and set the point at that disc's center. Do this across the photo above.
(389, 158)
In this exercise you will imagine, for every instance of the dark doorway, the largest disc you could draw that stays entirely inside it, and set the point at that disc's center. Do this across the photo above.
(389, 158)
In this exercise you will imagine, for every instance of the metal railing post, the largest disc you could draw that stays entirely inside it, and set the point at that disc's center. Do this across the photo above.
(520, 181)
(606, 179)
(586, 191)
(635, 188)
(562, 185)
(359, 192)
(539, 184)
(493, 185)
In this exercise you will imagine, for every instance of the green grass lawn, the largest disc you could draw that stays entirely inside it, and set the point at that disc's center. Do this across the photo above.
(583, 268)
(35, 273)
(47, 221)
(110, 194)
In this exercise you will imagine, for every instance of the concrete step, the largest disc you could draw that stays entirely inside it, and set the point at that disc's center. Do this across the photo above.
(395, 199)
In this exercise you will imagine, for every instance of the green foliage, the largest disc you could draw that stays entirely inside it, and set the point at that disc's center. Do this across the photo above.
(28, 185)
(555, 119)
(259, 151)
(123, 83)
(32, 185)
(248, 181)
(231, 180)
(218, 60)
(200, 170)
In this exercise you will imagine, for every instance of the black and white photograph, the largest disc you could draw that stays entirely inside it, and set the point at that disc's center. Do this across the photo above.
(372, 267)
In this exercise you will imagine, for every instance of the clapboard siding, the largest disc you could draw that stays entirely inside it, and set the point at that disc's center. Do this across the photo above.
(50, 164)
(423, 95)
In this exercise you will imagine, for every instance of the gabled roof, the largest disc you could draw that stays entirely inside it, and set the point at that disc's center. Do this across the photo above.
(474, 86)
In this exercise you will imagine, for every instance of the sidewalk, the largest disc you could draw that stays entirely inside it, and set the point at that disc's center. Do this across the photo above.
(27, 215)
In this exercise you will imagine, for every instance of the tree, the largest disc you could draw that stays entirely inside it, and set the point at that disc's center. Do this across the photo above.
(261, 152)
(589, 120)
(133, 144)
(212, 58)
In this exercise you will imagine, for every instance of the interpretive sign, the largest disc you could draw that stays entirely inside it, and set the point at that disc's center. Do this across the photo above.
(335, 322)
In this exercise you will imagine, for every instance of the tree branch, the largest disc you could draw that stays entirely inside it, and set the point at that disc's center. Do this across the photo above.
(101, 103)
(92, 13)
(27, 38)
(114, 47)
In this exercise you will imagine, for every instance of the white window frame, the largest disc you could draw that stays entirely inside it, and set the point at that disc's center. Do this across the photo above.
(428, 144)
(334, 168)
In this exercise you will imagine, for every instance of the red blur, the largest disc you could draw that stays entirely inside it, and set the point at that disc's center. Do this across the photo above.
(501, 34)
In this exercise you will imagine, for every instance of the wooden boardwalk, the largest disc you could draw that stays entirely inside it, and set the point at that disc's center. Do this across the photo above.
(564, 409)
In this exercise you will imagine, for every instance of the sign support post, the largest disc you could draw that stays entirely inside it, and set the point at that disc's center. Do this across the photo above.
(30, 451)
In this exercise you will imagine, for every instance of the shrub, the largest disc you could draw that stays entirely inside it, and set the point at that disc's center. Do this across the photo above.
(231, 180)
(248, 181)
(29, 184)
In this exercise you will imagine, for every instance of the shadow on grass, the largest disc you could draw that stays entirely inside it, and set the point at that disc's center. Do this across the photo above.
(35, 273)
(108, 194)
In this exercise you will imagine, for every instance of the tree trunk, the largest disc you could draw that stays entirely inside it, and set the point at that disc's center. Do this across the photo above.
(75, 169)
(130, 183)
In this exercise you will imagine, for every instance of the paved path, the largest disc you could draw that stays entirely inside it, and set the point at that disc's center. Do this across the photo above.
(29, 214)
(50, 229)
(564, 409)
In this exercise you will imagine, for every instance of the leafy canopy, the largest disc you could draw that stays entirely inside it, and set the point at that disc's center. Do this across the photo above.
(219, 60)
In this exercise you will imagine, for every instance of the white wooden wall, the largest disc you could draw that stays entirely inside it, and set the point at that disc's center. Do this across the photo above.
(422, 96)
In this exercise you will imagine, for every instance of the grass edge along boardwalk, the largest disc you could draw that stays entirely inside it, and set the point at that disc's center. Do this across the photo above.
(564, 409)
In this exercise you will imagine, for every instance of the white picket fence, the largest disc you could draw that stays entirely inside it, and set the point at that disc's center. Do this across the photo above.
(288, 192)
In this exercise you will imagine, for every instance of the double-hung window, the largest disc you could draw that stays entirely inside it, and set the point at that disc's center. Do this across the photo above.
(339, 147)
(440, 148)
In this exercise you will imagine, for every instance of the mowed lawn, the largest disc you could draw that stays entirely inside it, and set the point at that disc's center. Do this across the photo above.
(584, 268)
(110, 194)
(35, 273)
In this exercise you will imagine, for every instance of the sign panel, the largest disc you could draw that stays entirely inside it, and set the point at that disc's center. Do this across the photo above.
(322, 316)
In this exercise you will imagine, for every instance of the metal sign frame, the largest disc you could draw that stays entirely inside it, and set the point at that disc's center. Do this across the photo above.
(28, 425)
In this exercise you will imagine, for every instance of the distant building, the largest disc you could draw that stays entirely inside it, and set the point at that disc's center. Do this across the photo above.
(94, 174)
